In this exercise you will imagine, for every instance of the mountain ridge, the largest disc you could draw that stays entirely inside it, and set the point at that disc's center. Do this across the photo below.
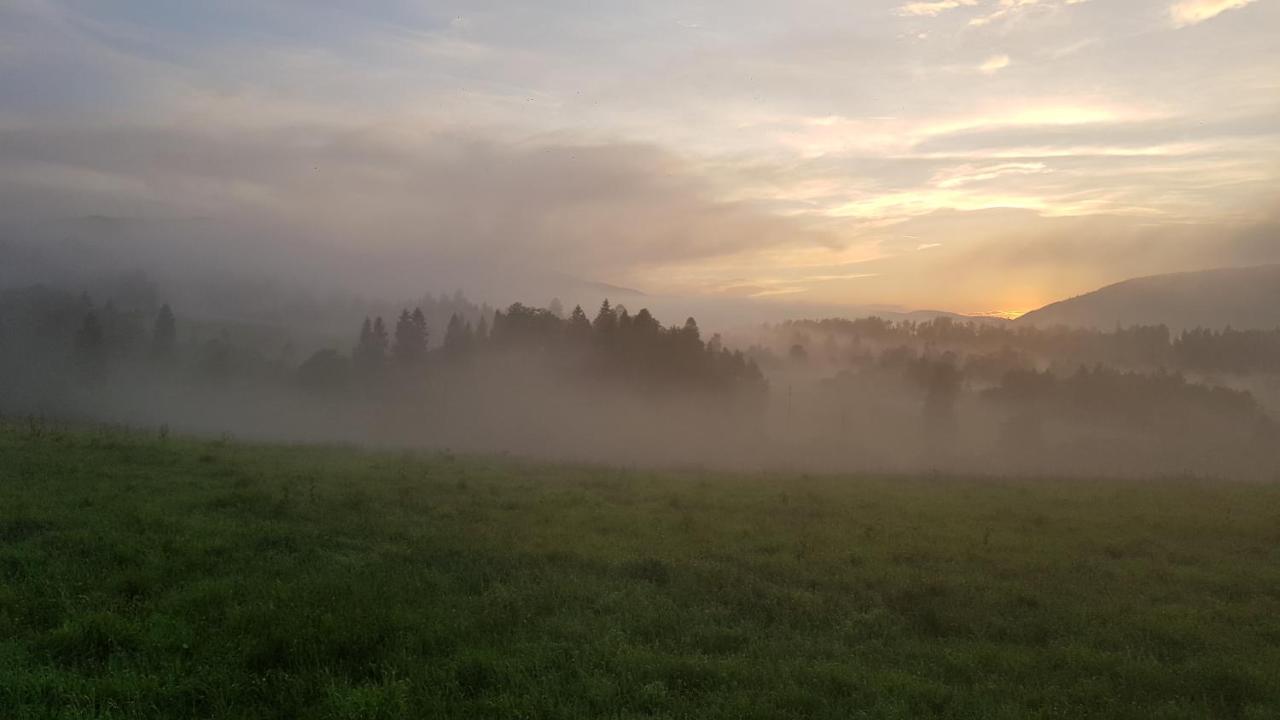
(1245, 297)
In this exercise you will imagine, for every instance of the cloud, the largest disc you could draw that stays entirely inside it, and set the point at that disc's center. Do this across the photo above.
(994, 64)
(1192, 12)
(968, 174)
(931, 9)
(1007, 8)
(424, 203)
(621, 143)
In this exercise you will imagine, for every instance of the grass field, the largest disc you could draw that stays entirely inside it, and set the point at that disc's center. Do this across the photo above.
(144, 578)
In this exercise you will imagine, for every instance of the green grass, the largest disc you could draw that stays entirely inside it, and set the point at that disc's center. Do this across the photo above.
(149, 578)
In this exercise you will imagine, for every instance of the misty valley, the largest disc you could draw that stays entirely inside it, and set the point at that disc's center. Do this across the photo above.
(457, 511)
(876, 360)
(944, 394)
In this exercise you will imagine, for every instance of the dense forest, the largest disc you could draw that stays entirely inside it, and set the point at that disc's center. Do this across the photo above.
(617, 385)
(1138, 347)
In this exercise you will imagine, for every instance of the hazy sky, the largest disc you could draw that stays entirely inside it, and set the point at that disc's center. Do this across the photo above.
(974, 155)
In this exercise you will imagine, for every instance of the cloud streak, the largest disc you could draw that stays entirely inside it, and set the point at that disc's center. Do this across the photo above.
(652, 145)
(1192, 12)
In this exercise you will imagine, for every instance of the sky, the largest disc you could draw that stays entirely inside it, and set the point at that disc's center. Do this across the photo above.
(980, 156)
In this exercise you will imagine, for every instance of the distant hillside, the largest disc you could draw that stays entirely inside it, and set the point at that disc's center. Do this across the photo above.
(1246, 297)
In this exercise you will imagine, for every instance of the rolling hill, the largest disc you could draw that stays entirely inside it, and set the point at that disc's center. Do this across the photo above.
(1246, 297)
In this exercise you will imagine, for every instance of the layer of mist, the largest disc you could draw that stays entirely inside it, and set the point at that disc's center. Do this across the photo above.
(618, 387)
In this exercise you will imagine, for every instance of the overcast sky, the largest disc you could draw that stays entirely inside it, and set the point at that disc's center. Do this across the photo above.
(973, 155)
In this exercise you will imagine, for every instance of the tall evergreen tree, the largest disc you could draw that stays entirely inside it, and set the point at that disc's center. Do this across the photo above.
(403, 349)
(420, 325)
(411, 338)
(579, 328)
(644, 323)
(606, 321)
(455, 338)
(371, 349)
(164, 333)
(90, 346)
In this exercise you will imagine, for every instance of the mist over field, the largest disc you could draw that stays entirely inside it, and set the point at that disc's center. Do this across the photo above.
(615, 385)
(891, 359)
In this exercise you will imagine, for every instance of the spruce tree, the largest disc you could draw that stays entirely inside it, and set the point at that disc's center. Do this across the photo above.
(606, 320)
(579, 329)
(455, 338)
(164, 334)
(90, 347)
(411, 338)
(420, 328)
(371, 349)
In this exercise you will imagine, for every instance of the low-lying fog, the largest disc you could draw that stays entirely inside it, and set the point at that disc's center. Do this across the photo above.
(615, 385)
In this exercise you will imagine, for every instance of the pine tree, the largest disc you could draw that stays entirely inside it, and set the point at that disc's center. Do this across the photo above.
(371, 349)
(455, 338)
(411, 338)
(645, 324)
(90, 346)
(420, 326)
(579, 329)
(164, 334)
(403, 350)
(379, 340)
(606, 321)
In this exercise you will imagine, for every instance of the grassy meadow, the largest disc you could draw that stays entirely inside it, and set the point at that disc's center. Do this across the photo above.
(149, 577)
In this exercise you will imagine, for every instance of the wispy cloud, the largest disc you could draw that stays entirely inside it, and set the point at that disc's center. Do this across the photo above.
(1006, 9)
(966, 174)
(623, 143)
(931, 9)
(1191, 12)
(994, 64)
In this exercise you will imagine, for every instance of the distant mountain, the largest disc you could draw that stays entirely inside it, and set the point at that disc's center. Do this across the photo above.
(1247, 297)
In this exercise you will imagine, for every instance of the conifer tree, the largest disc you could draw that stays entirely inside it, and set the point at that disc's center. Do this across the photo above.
(371, 349)
(420, 326)
(90, 346)
(579, 328)
(455, 338)
(606, 320)
(164, 334)
(411, 338)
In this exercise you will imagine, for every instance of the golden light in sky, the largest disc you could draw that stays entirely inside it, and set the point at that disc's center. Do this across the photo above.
(923, 154)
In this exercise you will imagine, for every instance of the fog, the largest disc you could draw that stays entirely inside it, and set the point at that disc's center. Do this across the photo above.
(616, 386)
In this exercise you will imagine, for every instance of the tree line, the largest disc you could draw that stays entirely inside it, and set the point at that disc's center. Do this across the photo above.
(1200, 350)
(75, 334)
(614, 344)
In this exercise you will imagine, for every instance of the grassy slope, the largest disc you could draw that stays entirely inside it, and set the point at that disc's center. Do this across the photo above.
(182, 578)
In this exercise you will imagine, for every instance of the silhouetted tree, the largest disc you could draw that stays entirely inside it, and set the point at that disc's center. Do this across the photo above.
(606, 322)
(411, 339)
(420, 325)
(370, 353)
(456, 338)
(90, 347)
(579, 327)
(164, 334)
(556, 307)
